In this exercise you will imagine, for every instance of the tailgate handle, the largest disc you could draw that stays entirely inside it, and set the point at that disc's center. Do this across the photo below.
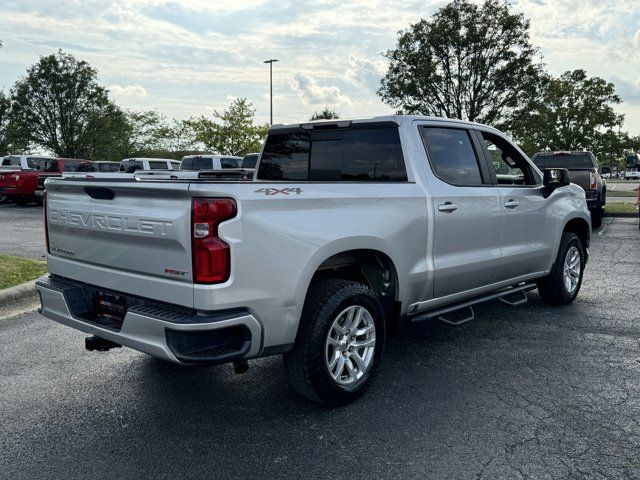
(100, 193)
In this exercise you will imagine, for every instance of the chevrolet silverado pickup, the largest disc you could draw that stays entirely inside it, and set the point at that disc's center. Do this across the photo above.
(348, 230)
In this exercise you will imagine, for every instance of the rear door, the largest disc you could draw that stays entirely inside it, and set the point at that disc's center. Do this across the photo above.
(528, 231)
(467, 212)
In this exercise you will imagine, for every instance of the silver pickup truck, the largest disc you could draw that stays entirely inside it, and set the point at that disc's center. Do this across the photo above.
(348, 230)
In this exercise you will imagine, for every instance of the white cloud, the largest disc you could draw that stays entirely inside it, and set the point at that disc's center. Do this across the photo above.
(128, 91)
(365, 73)
(310, 92)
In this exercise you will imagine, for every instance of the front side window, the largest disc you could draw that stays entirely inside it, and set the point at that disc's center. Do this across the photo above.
(363, 153)
(452, 155)
(47, 165)
(510, 166)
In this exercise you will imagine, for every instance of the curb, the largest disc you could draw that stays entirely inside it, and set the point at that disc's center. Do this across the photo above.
(621, 214)
(18, 294)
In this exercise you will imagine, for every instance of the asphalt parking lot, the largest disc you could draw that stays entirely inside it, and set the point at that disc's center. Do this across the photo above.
(22, 231)
(526, 392)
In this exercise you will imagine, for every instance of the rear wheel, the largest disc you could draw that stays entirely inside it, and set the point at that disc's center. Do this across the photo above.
(3, 198)
(563, 283)
(339, 344)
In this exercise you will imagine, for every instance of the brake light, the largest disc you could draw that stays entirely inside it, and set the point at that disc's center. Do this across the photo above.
(45, 210)
(211, 256)
(593, 180)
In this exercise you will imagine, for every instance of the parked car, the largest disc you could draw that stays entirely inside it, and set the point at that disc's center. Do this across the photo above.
(583, 171)
(350, 229)
(606, 172)
(632, 172)
(130, 165)
(250, 160)
(209, 162)
(54, 167)
(19, 177)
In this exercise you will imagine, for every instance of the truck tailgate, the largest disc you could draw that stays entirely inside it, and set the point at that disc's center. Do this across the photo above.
(132, 237)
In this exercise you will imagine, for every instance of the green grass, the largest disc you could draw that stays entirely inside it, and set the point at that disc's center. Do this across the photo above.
(15, 270)
(621, 207)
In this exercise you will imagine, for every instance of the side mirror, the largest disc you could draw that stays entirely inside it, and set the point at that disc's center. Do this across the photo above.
(555, 178)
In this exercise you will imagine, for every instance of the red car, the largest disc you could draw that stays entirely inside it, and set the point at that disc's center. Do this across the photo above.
(25, 185)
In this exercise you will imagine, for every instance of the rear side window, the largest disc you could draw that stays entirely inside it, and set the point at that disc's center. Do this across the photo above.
(226, 162)
(452, 156)
(355, 154)
(158, 165)
(72, 166)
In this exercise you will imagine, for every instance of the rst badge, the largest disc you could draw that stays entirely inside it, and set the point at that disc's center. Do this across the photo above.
(279, 191)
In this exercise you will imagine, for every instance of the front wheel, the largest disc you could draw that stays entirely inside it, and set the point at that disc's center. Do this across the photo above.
(563, 283)
(339, 345)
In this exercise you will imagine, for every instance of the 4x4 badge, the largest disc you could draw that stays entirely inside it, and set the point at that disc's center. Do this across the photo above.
(276, 191)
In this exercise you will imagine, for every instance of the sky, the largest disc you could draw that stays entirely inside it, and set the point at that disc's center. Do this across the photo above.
(189, 57)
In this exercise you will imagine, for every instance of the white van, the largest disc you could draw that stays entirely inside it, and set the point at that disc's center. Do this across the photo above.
(209, 162)
(130, 165)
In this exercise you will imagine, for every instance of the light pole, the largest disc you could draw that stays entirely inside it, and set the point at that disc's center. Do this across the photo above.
(271, 62)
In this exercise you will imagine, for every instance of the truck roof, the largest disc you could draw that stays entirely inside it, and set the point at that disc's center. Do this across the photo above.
(397, 119)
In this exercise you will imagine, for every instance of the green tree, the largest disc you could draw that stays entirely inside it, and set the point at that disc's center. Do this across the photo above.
(63, 108)
(574, 112)
(231, 132)
(326, 114)
(11, 140)
(472, 62)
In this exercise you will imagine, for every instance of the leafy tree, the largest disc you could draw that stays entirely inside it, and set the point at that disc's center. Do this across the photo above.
(574, 112)
(473, 62)
(231, 132)
(11, 141)
(326, 114)
(62, 107)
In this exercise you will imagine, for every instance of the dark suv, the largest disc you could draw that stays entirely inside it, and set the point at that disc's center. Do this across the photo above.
(583, 171)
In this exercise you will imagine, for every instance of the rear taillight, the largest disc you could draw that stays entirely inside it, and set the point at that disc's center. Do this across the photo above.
(593, 180)
(45, 211)
(211, 256)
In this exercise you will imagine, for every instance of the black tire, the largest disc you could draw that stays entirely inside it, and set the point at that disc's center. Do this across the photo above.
(305, 364)
(552, 288)
(22, 201)
(3, 198)
(596, 216)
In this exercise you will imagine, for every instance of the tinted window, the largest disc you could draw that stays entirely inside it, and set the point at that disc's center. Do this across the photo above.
(354, 154)
(32, 162)
(632, 161)
(250, 160)
(227, 162)
(72, 166)
(107, 167)
(11, 161)
(158, 165)
(452, 156)
(131, 166)
(196, 163)
(580, 160)
(47, 165)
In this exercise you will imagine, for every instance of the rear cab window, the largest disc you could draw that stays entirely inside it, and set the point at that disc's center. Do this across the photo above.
(360, 153)
(229, 162)
(131, 166)
(196, 163)
(11, 162)
(564, 160)
(158, 165)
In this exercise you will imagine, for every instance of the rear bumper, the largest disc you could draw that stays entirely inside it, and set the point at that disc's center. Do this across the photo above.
(161, 331)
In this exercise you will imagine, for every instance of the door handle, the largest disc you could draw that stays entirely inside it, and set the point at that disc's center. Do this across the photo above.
(511, 203)
(447, 207)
